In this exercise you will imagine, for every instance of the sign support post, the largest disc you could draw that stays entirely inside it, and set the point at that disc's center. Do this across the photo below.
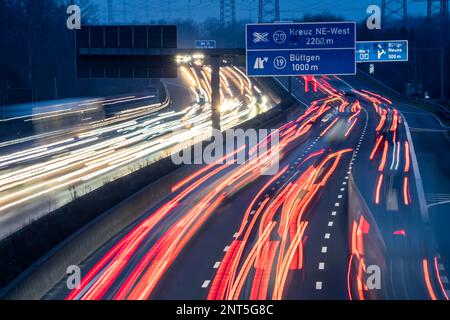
(290, 85)
(215, 94)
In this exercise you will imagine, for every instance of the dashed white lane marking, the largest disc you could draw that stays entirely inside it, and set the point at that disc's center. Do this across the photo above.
(327, 236)
(444, 279)
(344, 183)
(236, 235)
(252, 212)
(336, 204)
(340, 196)
(319, 285)
(205, 284)
(226, 248)
(216, 265)
(330, 223)
(324, 249)
(346, 177)
(441, 267)
(342, 189)
(321, 265)
(333, 213)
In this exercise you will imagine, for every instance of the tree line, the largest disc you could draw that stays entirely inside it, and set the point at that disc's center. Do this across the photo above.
(37, 49)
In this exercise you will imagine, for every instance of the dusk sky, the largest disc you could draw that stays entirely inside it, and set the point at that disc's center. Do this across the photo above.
(127, 11)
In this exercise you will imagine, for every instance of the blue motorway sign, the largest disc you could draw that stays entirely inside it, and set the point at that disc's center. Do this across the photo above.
(382, 51)
(293, 49)
(205, 44)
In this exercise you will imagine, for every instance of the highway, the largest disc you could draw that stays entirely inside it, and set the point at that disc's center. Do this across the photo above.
(344, 201)
(45, 170)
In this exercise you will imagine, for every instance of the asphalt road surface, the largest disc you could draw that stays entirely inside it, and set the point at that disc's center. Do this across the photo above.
(342, 218)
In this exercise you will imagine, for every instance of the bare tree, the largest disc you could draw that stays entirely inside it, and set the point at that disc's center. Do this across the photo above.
(87, 7)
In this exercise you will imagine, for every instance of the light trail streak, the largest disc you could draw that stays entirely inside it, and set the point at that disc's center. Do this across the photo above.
(407, 157)
(375, 148)
(351, 127)
(378, 189)
(406, 196)
(436, 269)
(426, 275)
(383, 157)
(324, 132)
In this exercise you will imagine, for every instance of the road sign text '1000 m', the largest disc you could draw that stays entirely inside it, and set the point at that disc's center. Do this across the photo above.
(293, 49)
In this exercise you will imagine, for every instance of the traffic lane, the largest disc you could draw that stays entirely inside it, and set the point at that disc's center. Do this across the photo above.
(180, 274)
(440, 218)
(45, 125)
(39, 139)
(326, 252)
(180, 95)
(109, 246)
(434, 161)
(419, 117)
(61, 291)
(308, 148)
(139, 206)
(393, 216)
(32, 205)
(179, 101)
(327, 237)
(171, 283)
(185, 276)
(14, 218)
(434, 164)
(408, 251)
(194, 269)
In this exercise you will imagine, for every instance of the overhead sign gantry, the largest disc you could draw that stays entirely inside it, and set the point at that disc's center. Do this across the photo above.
(294, 49)
(134, 51)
